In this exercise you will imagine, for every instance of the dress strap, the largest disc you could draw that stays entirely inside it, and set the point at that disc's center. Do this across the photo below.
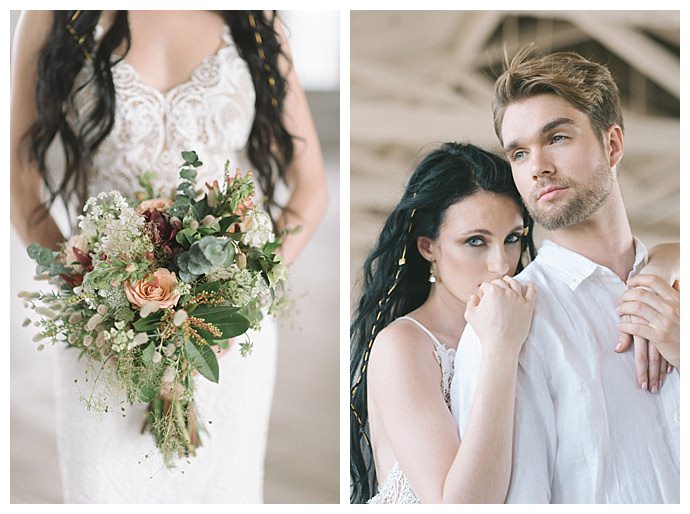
(426, 331)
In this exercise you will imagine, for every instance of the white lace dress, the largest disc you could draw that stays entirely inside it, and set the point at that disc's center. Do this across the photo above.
(396, 488)
(104, 457)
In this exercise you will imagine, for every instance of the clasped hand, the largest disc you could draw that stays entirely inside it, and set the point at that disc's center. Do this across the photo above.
(650, 320)
(500, 312)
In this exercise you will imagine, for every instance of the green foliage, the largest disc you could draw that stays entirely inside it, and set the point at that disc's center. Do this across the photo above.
(106, 273)
(203, 359)
(191, 159)
(203, 255)
(148, 323)
(146, 182)
(228, 320)
(98, 320)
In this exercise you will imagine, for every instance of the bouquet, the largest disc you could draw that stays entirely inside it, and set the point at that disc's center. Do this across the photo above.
(151, 289)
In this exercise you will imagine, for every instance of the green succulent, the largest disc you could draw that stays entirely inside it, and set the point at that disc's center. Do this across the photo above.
(203, 255)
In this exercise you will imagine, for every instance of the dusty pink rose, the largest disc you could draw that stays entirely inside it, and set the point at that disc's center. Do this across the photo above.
(160, 204)
(158, 288)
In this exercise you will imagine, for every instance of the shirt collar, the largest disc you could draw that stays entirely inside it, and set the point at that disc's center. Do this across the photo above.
(574, 268)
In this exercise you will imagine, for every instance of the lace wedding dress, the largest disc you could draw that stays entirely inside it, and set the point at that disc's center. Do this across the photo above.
(396, 488)
(105, 457)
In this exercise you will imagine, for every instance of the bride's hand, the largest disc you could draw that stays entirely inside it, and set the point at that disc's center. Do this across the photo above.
(653, 309)
(222, 351)
(501, 315)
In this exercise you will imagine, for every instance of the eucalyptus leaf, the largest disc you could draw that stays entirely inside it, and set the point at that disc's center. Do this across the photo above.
(45, 257)
(198, 264)
(148, 393)
(187, 277)
(147, 354)
(216, 250)
(33, 250)
(190, 156)
(188, 174)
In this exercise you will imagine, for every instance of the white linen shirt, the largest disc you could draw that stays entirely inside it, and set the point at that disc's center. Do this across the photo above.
(584, 430)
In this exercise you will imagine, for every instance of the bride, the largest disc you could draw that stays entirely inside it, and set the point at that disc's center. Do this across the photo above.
(124, 93)
(445, 257)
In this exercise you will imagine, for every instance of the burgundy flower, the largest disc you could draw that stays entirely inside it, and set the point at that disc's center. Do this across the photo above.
(163, 229)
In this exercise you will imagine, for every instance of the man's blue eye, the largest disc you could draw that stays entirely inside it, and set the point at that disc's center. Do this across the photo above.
(520, 154)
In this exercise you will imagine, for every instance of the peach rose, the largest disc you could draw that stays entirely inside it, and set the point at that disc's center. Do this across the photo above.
(160, 204)
(158, 288)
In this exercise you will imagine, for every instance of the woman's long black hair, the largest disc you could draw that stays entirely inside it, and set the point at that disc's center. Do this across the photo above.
(395, 274)
(71, 43)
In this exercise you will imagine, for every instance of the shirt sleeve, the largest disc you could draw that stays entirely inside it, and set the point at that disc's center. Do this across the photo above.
(534, 432)
(467, 362)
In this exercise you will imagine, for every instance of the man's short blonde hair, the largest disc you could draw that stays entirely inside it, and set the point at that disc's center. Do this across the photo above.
(586, 85)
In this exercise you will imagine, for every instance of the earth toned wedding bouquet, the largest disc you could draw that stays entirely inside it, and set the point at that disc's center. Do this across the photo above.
(151, 289)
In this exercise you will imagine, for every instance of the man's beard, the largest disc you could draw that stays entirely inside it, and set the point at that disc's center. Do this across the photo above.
(586, 200)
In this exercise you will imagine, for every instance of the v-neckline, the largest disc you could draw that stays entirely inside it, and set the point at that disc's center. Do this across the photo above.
(225, 42)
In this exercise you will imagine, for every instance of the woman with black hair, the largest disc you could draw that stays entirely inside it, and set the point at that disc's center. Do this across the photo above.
(123, 93)
(445, 257)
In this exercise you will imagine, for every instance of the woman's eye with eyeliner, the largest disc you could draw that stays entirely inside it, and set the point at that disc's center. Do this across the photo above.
(513, 238)
(474, 241)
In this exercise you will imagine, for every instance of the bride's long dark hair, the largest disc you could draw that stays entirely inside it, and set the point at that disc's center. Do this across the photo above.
(395, 274)
(71, 43)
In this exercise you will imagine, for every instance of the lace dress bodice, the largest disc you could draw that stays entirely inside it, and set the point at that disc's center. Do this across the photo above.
(211, 113)
(396, 488)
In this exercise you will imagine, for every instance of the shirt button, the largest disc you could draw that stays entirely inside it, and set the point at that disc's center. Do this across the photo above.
(677, 418)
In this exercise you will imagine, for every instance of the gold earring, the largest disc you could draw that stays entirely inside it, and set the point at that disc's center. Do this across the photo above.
(432, 277)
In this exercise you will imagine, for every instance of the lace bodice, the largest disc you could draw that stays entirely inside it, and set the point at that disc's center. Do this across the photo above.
(396, 488)
(212, 113)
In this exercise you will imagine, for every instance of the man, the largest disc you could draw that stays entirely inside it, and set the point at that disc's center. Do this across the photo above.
(584, 432)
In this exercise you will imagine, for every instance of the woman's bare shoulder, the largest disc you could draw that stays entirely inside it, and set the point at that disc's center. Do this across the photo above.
(402, 347)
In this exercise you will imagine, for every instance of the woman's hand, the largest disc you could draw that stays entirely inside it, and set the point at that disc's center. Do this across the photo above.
(650, 365)
(222, 351)
(653, 310)
(501, 315)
